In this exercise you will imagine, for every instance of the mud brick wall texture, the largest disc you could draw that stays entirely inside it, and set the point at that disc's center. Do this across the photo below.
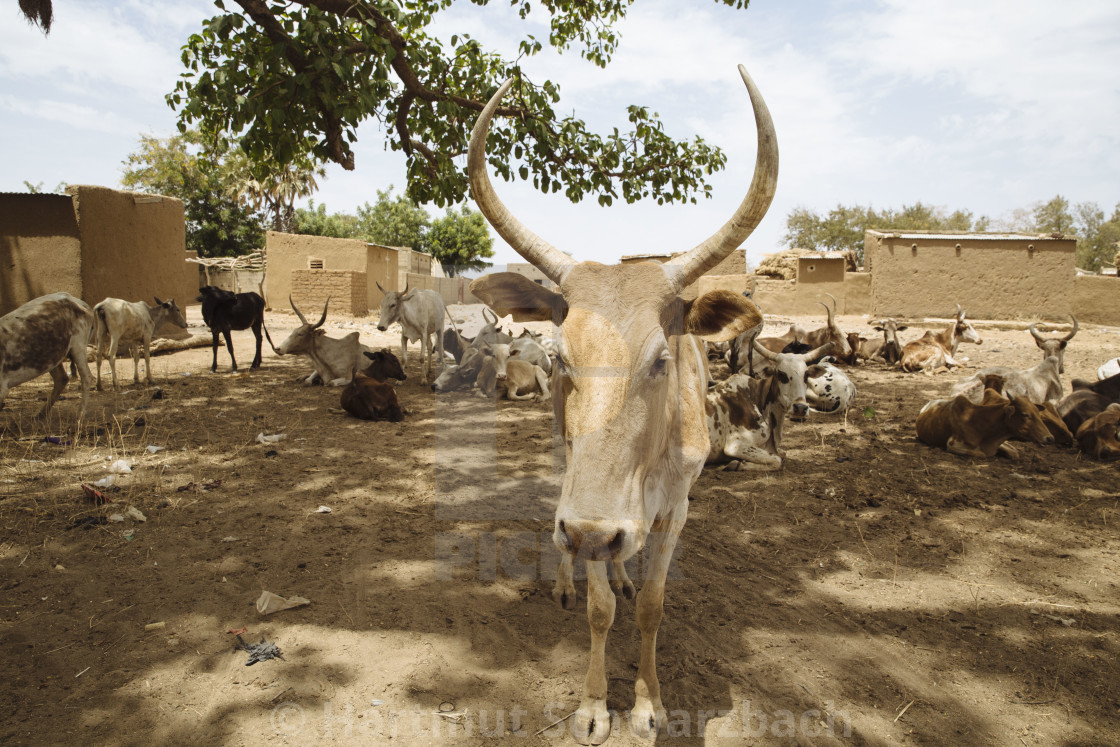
(345, 288)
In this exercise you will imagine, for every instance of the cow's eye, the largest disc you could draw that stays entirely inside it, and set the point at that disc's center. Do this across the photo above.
(660, 366)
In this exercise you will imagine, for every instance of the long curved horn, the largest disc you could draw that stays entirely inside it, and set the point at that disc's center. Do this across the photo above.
(547, 258)
(831, 321)
(1073, 332)
(703, 257)
(296, 309)
(833, 301)
(766, 353)
(323, 318)
(820, 352)
(1035, 333)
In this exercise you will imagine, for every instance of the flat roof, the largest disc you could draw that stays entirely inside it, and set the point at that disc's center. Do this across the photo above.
(950, 235)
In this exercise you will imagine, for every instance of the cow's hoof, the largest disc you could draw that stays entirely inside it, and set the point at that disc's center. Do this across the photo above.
(566, 597)
(591, 724)
(625, 587)
(647, 718)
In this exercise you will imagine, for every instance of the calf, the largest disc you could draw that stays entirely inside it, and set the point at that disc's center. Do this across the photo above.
(420, 313)
(1087, 399)
(521, 380)
(1097, 436)
(224, 311)
(383, 365)
(464, 374)
(828, 389)
(746, 416)
(335, 359)
(366, 398)
(933, 350)
(1054, 346)
(961, 426)
(132, 323)
(523, 348)
(888, 350)
(38, 336)
(1039, 384)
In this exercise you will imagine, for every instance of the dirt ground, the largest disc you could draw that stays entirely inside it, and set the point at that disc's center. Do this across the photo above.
(876, 591)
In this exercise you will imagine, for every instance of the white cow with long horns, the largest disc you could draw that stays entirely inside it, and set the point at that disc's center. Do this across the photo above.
(629, 394)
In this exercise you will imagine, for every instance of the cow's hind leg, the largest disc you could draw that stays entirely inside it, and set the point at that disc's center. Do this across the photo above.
(591, 723)
(620, 580)
(564, 590)
(58, 373)
(648, 714)
(257, 334)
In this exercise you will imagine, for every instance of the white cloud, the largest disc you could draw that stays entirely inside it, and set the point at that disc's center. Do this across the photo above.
(75, 116)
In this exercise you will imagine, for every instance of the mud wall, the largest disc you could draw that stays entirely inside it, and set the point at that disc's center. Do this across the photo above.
(346, 290)
(1096, 299)
(1013, 278)
(451, 290)
(286, 253)
(40, 250)
(790, 298)
(133, 246)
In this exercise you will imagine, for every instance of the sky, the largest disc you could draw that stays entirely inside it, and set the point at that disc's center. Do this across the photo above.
(984, 105)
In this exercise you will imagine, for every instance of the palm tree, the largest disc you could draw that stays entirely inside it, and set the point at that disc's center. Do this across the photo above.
(271, 189)
(39, 12)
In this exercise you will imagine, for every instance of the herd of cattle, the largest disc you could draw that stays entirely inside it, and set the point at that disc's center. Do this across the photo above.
(786, 376)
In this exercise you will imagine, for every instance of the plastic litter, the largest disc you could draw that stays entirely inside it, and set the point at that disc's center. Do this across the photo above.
(135, 513)
(120, 467)
(261, 438)
(116, 518)
(323, 510)
(105, 482)
(262, 651)
(155, 449)
(267, 603)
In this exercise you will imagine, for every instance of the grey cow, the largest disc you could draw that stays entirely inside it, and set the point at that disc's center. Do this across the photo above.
(420, 313)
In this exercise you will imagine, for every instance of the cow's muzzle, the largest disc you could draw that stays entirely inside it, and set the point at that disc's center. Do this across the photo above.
(800, 410)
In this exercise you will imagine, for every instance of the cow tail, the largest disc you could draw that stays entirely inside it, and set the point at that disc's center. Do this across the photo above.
(269, 337)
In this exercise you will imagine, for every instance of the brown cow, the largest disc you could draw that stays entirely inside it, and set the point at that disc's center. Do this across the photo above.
(981, 430)
(629, 393)
(1097, 436)
(369, 399)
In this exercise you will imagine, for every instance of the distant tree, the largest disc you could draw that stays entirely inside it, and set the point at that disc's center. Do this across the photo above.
(394, 221)
(1053, 216)
(842, 230)
(272, 189)
(316, 221)
(1096, 237)
(461, 240)
(183, 167)
(37, 189)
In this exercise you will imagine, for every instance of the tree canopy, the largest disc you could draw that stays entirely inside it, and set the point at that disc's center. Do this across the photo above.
(294, 80)
(218, 224)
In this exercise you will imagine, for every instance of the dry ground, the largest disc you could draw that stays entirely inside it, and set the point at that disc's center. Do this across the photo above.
(874, 592)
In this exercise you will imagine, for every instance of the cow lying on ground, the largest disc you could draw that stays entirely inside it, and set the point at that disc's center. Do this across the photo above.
(224, 311)
(982, 429)
(828, 389)
(746, 416)
(118, 321)
(1087, 399)
(887, 350)
(420, 313)
(383, 365)
(366, 398)
(521, 381)
(38, 336)
(933, 351)
(1038, 384)
(335, 359)
(1055, 346)
(1097, 436)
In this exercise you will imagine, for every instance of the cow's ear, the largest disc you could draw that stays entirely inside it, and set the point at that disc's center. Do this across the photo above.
(510, 293)
(720, 316)
(903, 328)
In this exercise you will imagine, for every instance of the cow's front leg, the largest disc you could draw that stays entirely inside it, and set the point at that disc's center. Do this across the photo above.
(620, 580)
(404, 350)
(648, 714)
(591, 723)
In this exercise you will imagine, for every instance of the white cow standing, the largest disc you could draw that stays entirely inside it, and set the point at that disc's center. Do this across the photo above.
(421, 314)
(132, 323)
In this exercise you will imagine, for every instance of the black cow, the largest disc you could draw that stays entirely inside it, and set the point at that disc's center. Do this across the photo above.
(224, 310)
